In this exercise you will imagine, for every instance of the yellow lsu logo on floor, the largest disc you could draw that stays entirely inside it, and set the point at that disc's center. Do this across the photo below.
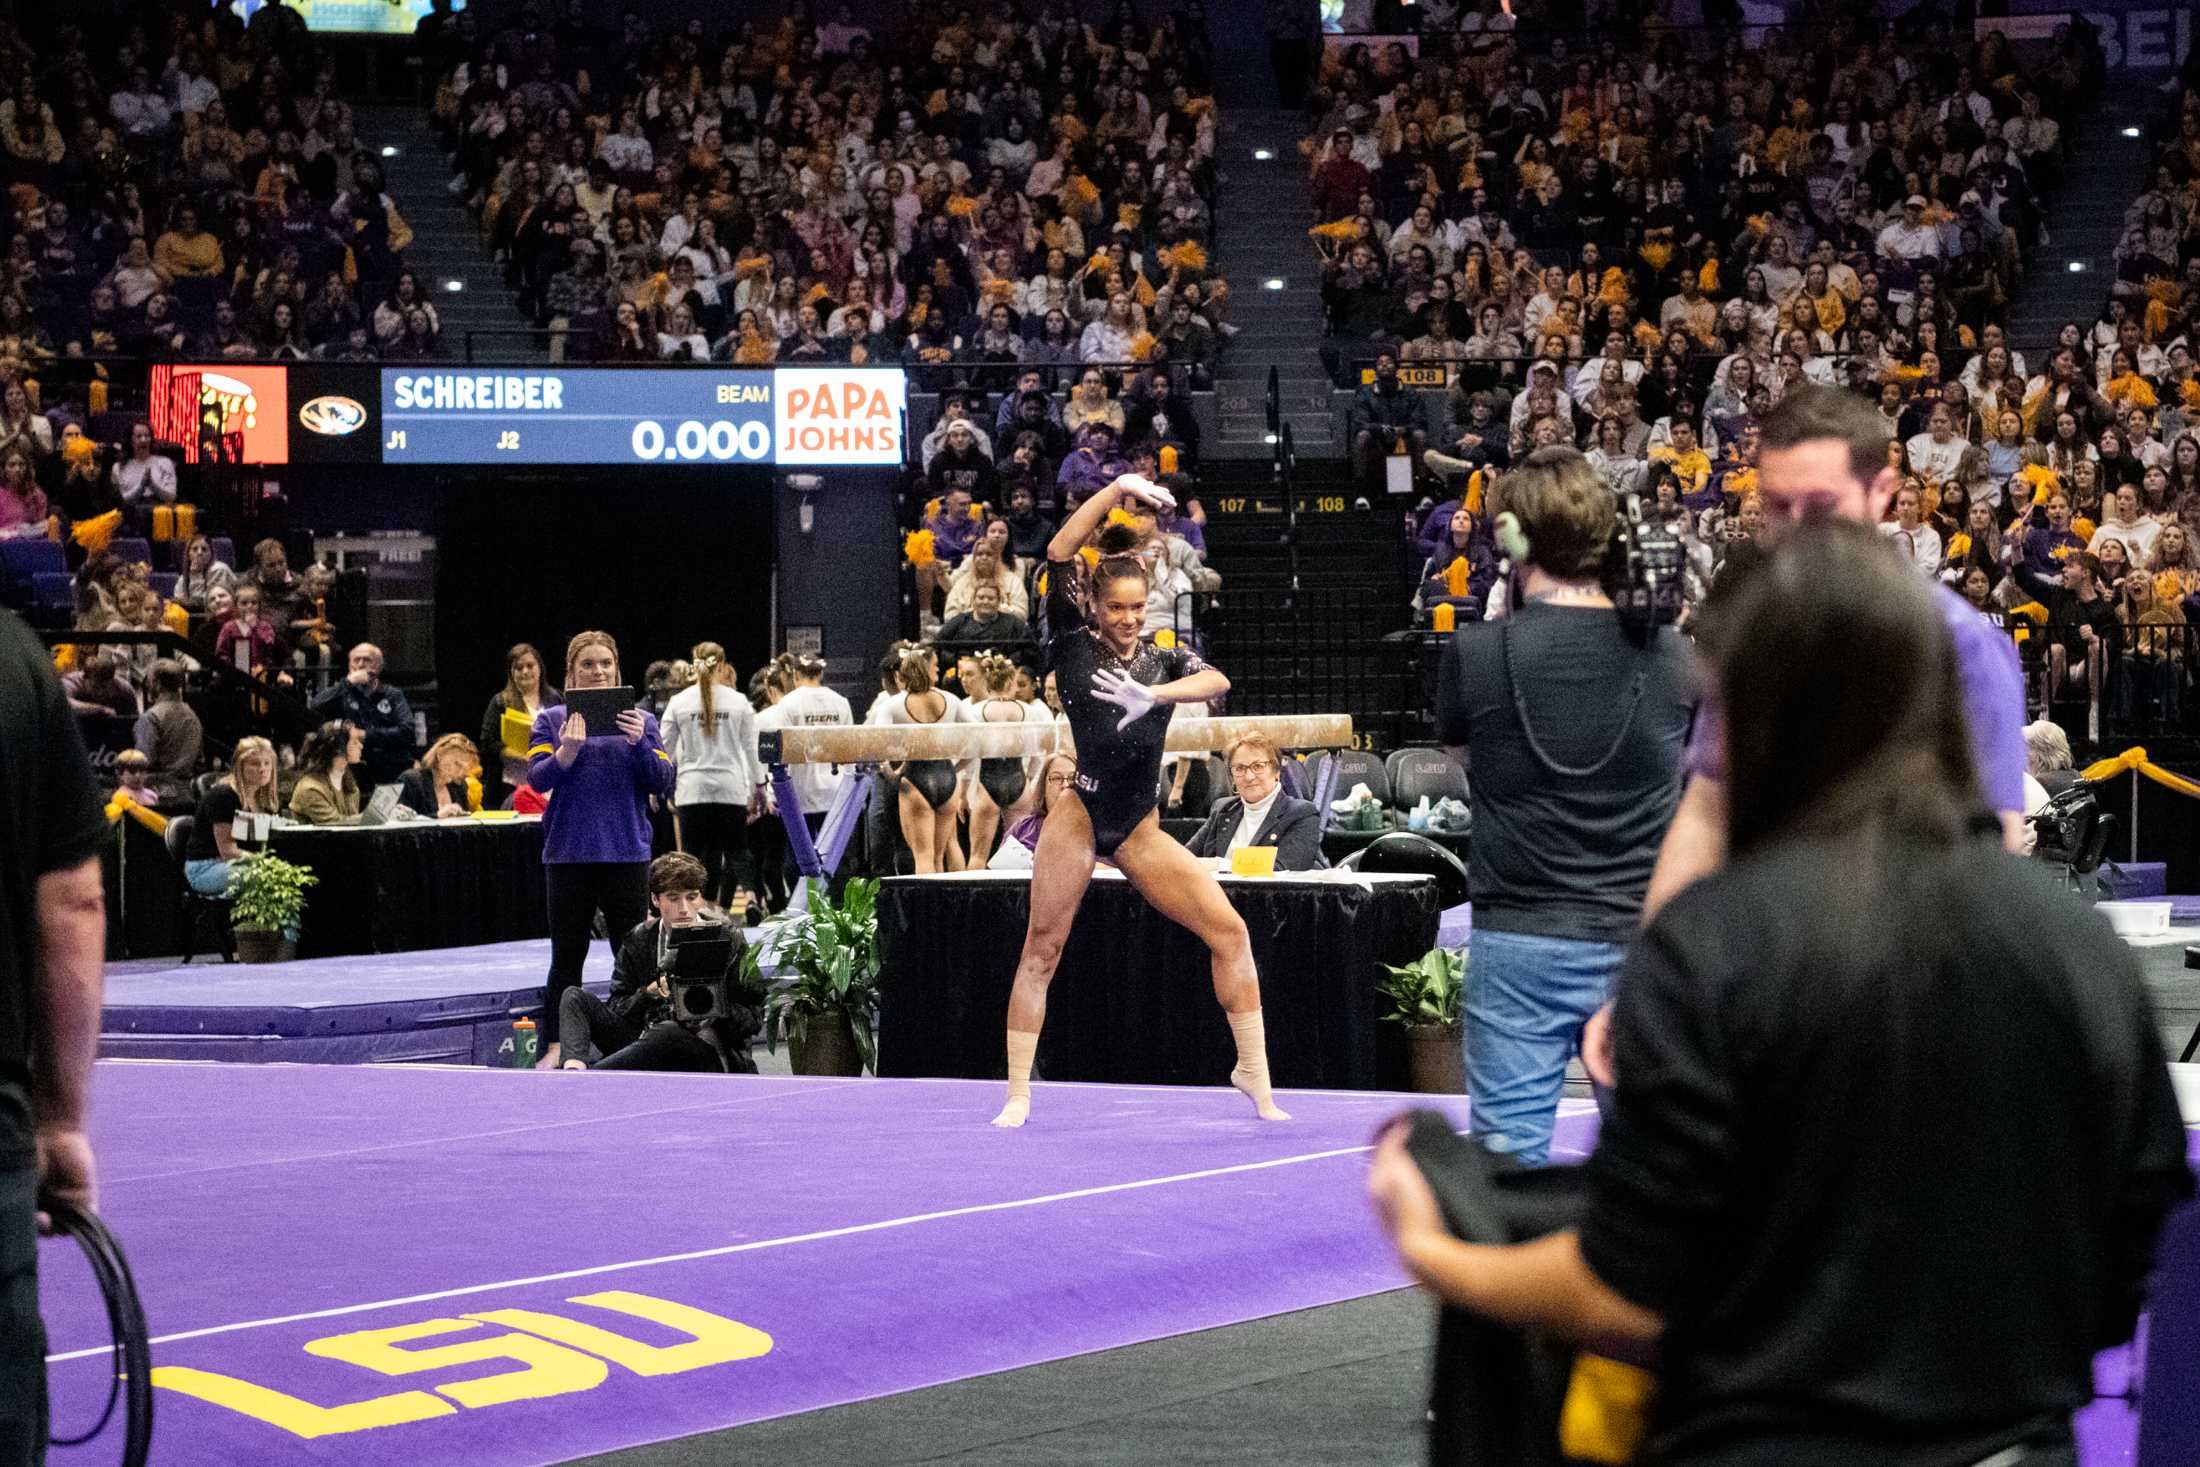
(556, 1356)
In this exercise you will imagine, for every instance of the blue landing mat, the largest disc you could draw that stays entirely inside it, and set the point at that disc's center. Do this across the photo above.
(454, 1005)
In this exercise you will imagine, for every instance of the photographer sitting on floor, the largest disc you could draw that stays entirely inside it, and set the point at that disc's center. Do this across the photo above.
(637, 1029)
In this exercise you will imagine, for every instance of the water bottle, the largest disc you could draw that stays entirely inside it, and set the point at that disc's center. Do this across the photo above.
(526, 1044)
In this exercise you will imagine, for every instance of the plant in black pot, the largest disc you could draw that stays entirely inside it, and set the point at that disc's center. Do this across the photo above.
(267, 898)
(1425, 995)
(822, 995)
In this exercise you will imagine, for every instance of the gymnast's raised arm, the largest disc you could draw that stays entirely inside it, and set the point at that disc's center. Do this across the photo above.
(1093, 513)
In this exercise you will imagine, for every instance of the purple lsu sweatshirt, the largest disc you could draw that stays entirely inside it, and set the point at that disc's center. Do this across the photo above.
(600, 809)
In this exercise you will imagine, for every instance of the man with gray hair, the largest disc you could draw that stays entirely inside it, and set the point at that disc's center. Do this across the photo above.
(379, 711)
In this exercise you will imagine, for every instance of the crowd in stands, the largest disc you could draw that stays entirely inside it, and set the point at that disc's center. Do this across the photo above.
(1637, 250)
(189, 185)
(972, 195)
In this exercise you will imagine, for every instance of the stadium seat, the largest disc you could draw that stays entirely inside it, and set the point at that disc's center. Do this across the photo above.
(164, 582)
(1358, 766)
(1416, 774)
(132, 548)
(225, 550)
(53, 591)
(22, 561)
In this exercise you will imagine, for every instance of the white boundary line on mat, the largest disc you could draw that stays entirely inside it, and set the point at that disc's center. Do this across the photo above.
(107, 1351)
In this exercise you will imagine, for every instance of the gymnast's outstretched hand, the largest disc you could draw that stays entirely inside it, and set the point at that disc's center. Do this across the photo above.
(1145, 491)
(1113, 685)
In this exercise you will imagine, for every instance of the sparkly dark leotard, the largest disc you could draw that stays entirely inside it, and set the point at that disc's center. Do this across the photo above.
(1118, 771)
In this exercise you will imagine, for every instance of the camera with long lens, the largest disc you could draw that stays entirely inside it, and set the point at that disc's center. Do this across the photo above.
(698, 967)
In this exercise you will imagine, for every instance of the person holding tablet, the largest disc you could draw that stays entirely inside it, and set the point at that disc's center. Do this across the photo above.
(599, 759)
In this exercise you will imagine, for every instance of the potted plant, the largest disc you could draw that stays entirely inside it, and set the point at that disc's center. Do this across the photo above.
(1425, 995)
(267, 897)
(822, 996)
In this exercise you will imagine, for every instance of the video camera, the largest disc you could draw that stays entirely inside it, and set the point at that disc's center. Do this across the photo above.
(698, 966)
(1643, 573)
(2073, 833)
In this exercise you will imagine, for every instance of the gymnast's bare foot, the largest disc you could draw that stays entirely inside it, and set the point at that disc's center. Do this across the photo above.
(1014, 1114)
(1243, 1083)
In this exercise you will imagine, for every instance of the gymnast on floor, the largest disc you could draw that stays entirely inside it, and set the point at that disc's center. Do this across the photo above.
(1116, 689)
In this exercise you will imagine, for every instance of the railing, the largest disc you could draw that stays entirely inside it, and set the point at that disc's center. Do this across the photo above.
(1356, 366)
(2133, 682)
(285, 707)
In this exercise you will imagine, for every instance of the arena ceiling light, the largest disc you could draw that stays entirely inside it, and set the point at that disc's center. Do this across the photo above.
(454, 286)
(1262, 155)
(2131, 132)
(389, 150)
(1273, 282)
(2076, 267)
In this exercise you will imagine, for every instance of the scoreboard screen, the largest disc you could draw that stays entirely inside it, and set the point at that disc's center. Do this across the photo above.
(328, 412)
(787, 416)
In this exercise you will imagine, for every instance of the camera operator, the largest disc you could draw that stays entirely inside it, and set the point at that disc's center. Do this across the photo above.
(53, 937)
(637, 1029)
(1824, 456)
(1572, 727)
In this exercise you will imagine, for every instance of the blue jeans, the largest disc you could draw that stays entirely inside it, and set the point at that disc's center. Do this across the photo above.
(1527, 998)
(207, 878)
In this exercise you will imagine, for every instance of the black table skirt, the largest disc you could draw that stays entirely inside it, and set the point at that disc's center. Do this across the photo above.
(401, 888)
(1133, 1002)
(144, 894)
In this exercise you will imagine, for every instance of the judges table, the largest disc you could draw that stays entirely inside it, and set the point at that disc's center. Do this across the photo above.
(1133, 1001)
(417, 884)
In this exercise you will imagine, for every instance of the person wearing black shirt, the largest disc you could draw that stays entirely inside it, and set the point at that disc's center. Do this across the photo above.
(1880, 1176)
(248, 788)
(436, 786)
(52, 939)
(1573, 732)
(2082, 629)
(636, 1028)
(1116, 690)
(961, 464)
(985, 624)
(1028, 530)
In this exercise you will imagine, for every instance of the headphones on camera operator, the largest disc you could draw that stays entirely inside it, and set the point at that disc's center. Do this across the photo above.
(1641, 574)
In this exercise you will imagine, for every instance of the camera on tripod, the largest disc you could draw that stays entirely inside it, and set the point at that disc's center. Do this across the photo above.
(698, 967)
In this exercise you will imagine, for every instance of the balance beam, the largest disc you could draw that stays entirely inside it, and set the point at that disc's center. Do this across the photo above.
(881, 744)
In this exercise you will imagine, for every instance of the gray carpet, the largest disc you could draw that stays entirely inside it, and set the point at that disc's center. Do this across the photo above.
(1342, 1385)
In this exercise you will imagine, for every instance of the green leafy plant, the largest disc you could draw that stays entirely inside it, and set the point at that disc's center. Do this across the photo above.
(1427, 991)
(267, 893)
(827, 968)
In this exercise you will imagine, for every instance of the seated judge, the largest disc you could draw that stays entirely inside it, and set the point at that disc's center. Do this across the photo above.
(1260, 813)
(437, 786)
(327, 793)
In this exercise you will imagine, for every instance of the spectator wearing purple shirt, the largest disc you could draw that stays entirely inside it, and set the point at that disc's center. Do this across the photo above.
(595, 830)
(954, 529)
(1825, 454)
(1092, 465)
(2048, 544)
